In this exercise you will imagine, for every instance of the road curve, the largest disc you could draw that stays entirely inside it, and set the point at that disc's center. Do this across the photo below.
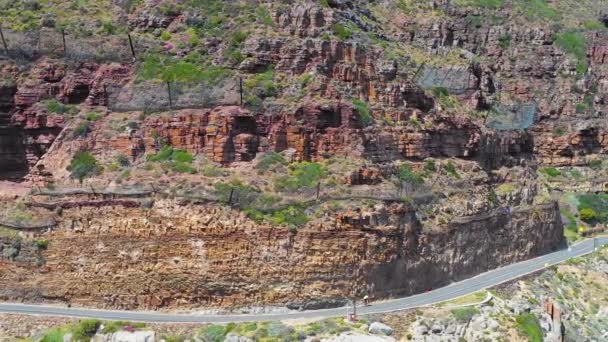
(454, 290)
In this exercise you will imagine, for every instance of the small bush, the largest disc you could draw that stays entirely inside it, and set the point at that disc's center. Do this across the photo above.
(183, 168)
(241, 192)
(292, 216)
(41, 244)
(406, 175)
(82, 130)
(92, 116)
(450, 168)
(56, 107)
(84, 165)
(575, 44)
(263, 16)
(588, 215)
(341, 31)
(85, 329)
(179, 159)
(238, 38)
(593, 25)
(430, 166)
(54, 335)
(535, 9)
(440, 91)
(214, 333)
(122, 160)
(463, 315)
(594, 207)
(505, 188)
(551, 172)
(481, 3)
(301, 175)
(504, 41)
(363, 111)
(595, 164)
(268, 160)
(528, 324)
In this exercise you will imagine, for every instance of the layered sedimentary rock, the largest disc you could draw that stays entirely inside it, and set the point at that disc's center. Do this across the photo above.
(189, 256)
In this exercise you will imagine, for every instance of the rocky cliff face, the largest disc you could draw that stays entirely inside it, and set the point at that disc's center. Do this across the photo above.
(432, 117)
(175, 255)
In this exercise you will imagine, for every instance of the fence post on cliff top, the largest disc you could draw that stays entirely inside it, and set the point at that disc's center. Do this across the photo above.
(169, 92)
(3, 41)
(318, 189)
(131, 45)
(241, 89)
(65, 49)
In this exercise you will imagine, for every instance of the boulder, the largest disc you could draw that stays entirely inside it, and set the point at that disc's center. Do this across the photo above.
(380, 328)
(126, 336)
(232, 337)
(421, 330)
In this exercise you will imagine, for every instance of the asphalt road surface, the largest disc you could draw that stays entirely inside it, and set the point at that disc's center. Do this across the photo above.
(454, 290)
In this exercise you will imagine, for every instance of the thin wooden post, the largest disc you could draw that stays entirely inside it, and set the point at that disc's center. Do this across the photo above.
(169, 92)
(65, 49)
(241, 89)
(318, 189)
(3, 41)
(105, 95)
(131, 45)
(230, 198)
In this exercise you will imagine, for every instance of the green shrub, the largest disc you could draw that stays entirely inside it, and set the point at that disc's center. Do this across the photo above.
(122, 160)
(92, 116)
(85, 329)
(463, 315)
(575, 44)
(56, 107)
(534, 9)
(528, 324)
(440, 91)
(406, 175)
(363, 111)
(588, 215)
(504, 41)
(595, 164)
(262, 85)
(263, 16)
(505, 188)
(191, 69)
(551, 172)
(593, 207)
(214, 333)
(55, 335)
(181, 156)
(242, 192)
(301, 175)
(481, 3)
(84, 165)
(183, 168)
(450, 168)
(291, 216)
(41, 244)
(430, 166)
(341, 31)
(268, 160)
(178, 160)
(593, 25)
(81, 130)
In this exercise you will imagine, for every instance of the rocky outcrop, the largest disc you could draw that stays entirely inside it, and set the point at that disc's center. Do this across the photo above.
(194, 256)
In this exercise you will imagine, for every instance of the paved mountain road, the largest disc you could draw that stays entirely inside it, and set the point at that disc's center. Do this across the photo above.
(451, 291)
